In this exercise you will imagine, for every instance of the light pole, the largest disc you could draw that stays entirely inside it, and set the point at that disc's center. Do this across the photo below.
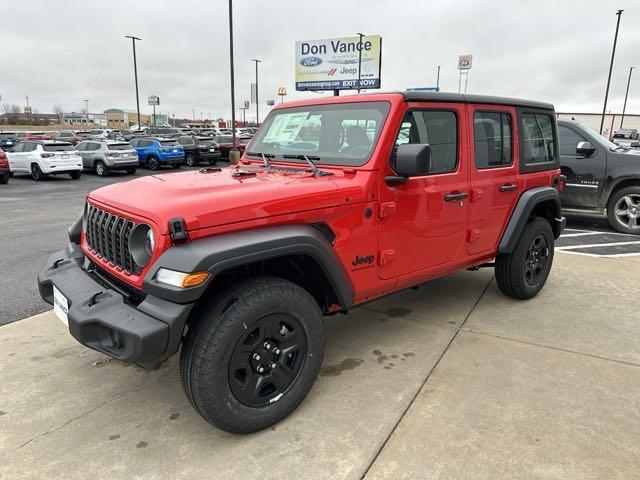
(624, 108)
(359, 58)
(438, 79)
(135, 73)
(86, 109)
(257, 96)
(613, 54)
(234, 155)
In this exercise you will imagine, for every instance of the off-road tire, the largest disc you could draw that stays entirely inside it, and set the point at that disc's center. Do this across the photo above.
(153, 163)
(633, 192)
(75, 175)
(101, 169)
(190, 160)
(36, 173)
(510, 268)
(216, 331)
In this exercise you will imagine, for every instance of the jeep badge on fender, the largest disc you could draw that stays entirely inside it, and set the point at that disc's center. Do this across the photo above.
(235, 268)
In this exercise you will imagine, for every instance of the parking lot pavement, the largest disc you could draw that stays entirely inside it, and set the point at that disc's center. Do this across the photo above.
(452, 380)
(598, 243)
(33, 220)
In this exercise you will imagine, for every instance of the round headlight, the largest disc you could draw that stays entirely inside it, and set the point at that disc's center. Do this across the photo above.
(150, 243)
(141, 244)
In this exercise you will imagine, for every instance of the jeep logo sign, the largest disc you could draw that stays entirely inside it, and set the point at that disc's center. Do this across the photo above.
(310, 61)
(338, 63)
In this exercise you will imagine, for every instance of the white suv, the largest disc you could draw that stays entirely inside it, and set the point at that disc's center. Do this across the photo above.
(47, 157)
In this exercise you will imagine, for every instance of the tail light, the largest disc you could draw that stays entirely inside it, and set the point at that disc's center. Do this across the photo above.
(112, 154)
(47, 155)
(3, 160)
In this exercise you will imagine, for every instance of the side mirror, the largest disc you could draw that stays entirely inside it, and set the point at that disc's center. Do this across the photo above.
(412, 160)
(585, 148)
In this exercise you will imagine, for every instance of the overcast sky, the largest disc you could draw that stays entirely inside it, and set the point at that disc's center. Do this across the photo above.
(61, 52)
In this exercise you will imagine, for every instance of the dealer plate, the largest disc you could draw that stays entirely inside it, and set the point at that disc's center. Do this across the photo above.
(60, 306)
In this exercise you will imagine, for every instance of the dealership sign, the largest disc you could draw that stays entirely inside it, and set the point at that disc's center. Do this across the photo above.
(154, 100)
(332, 64)
(464, 62)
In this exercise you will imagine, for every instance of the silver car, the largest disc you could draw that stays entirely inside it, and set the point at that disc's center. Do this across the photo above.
(105, 156)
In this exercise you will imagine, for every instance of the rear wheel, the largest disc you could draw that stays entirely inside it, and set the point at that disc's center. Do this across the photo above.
(623, 210)
(101, 170)
(252, 354)
(36, 173)
(190, 160)
(4, 179)
(152, 163)
(131, 171)
(522, 273)
(75, 175)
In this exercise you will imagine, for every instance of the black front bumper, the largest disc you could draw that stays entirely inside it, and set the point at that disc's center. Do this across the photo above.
(101, 317)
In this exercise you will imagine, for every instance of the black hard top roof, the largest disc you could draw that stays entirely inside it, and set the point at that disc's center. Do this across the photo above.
(468, 98)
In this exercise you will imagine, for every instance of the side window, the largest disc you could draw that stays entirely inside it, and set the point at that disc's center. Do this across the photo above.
(18, 147)
(438, 128)
(568, 140)
(81, 147)
(492, 139)
(537, 138)
(29, 147)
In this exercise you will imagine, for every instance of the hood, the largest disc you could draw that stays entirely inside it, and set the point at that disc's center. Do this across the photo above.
(212, 197)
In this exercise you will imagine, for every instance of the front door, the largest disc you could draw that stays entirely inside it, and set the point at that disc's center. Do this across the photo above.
(494, 179)
(585, 174)
(423, 221)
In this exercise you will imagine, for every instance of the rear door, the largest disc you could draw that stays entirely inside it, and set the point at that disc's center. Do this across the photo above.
(423, 221)
(15, 156)
(494, 177)
(585, 174)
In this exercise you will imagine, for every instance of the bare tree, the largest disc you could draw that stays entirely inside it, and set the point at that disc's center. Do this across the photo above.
(57, 109)
(10, 108)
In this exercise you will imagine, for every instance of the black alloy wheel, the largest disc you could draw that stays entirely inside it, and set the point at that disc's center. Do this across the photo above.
(536, 260)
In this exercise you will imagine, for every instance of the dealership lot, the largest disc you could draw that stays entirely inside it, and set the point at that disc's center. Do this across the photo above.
(452, 380)
(598, 243)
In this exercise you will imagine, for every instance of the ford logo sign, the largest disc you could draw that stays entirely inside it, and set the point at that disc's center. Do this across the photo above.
(310, 61)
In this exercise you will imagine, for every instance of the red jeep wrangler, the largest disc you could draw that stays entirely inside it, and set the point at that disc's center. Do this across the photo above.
(336, 201)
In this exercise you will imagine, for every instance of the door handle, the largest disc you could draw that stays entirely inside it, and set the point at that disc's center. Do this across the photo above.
(450, 197)
(508, 187)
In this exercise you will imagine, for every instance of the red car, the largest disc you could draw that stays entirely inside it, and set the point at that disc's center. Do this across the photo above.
(22, 136)
(339, 201)
(4, 168)
(225, 142)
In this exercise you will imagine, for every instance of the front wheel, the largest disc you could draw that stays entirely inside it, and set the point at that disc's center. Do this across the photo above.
(36, 173)
(190, 160)
(252, 354)
(623, 210)
(522, 273)
(101, 170)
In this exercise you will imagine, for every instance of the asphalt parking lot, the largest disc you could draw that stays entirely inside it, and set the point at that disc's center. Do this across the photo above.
(33, 222)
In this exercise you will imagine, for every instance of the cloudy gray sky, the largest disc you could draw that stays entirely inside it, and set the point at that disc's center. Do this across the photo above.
(61, 52)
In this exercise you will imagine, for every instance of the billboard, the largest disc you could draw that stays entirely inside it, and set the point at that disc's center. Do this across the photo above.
(332, 64)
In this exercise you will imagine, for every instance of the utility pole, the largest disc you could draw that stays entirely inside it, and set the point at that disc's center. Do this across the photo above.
(624, 108)
(257, 96)
(613, 54)
(135, 73)
(86, 109)
(359, 58)
(438, 79)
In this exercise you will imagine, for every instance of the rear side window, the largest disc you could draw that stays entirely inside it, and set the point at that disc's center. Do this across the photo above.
(439, 129)
(537, 138)
(492, 139)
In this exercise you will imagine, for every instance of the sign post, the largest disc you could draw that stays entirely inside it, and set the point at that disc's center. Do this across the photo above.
(464, 66)
(282, 92)
(154, 100)
(346, 63)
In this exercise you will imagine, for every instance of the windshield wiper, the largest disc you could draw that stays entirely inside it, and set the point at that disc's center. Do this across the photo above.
(265, 157)
(309, 159)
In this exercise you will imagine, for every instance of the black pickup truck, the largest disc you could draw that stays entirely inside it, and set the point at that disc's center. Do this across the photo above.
(601, 177)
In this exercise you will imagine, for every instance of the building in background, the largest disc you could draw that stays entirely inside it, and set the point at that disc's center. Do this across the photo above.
(118, 118)
(79, 118)
(611, 121)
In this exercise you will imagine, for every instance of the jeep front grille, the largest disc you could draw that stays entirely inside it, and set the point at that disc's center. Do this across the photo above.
(107, 235)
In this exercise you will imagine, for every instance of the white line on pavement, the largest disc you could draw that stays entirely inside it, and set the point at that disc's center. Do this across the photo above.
(595, 245)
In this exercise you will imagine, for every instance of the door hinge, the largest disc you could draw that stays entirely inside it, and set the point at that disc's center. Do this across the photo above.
(386, 256)
(387, 209)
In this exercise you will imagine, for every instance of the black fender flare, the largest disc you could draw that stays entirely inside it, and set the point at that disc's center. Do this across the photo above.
(522, 212)
(219, 253)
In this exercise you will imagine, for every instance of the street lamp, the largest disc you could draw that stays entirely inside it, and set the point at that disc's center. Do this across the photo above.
(624, 108)
(359, 58)
(257, 97)
(86, 109)
(234, 155)
(135, 73)
(613, 54)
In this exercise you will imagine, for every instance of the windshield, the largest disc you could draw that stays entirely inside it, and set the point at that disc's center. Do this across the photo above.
(338, 134)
